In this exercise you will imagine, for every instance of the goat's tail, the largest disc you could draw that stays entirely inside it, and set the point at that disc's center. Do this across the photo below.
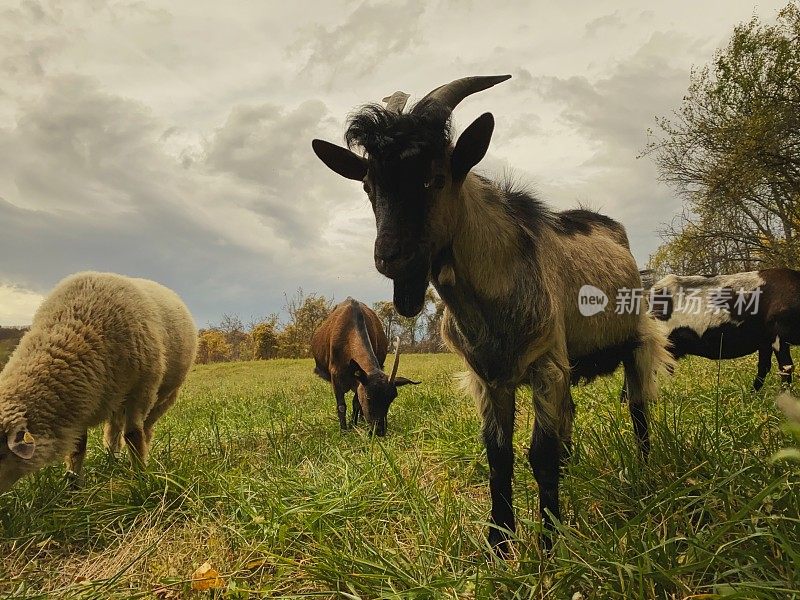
(651, 359)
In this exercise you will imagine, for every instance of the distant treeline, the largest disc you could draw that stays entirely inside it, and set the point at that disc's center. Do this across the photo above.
(12, 333)
(231, 339)
(9, 338)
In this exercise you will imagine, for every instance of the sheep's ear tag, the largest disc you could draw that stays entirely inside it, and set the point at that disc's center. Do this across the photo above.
(23, 444)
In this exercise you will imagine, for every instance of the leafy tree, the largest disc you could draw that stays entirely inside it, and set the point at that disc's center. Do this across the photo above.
(238, 339)
(419, 333)
(388, 316)
(306, 314)
(732, 151)
(432, 342)
(265, 336)
(213, 347)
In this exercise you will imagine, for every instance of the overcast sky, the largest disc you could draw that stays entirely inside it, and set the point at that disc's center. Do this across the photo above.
(171, 140)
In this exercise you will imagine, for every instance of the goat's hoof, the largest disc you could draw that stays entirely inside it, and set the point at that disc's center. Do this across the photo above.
(546, 543)
(74, 480)
(500, 544)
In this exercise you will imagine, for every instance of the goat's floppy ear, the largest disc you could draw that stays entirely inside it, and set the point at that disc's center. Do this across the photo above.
(358, 372)
(21, 442)
(471, 146)
(398, 381)
(340, 160)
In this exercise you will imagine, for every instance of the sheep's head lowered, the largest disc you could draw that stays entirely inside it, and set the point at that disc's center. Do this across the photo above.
(17, 450)
(409, 165)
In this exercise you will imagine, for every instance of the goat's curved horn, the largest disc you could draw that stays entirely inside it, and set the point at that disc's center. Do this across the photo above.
(397, 101)
(454, 92)
(396, 359)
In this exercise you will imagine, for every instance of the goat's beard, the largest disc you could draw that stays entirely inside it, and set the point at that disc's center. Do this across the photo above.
(409, 292)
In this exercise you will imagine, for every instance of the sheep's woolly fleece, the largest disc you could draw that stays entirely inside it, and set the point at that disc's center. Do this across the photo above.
(102, 347)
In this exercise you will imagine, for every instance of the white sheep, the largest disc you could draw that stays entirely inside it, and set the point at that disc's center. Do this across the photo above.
(103, 348)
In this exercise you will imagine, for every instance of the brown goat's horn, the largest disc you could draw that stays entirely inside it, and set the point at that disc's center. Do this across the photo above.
(396, 359)
(454, 92)
(397, 101)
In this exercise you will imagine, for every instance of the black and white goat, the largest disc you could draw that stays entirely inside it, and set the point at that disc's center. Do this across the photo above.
(728, 316)
(509, 271)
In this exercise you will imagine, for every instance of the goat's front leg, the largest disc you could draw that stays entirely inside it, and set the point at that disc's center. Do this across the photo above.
(545, 460)
(764, 365)
(553, 409)
(341, 406)
(356, 409)
(497, 408)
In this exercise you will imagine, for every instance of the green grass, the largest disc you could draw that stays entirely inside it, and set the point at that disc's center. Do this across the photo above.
(250, 472)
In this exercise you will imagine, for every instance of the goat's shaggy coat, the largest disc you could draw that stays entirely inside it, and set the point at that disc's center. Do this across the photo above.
(102, 348)
(509, 271)
(349, 350)
(728, 316)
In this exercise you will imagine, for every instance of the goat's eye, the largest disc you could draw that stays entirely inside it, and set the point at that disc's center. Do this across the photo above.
(436, 182)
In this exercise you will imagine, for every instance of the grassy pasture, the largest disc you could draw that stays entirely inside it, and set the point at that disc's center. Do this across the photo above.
(250, 472)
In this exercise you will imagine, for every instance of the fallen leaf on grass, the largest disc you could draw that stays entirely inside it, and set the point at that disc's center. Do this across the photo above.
(206, 578)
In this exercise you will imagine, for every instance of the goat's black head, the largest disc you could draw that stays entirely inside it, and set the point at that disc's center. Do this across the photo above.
(376, 391)
(408, 165)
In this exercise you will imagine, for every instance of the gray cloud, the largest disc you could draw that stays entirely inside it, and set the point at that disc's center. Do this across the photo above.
(95, 189)
(30, 35)
(171, 140)
(270, 148)
(369, 35)
(614, 113)
(609, 22)
(620, 107)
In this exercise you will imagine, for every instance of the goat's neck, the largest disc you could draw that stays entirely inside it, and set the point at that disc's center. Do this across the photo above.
(485, 242)
(362, 352)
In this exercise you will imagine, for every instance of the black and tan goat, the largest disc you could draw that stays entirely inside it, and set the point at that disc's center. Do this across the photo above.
(349, 349)
(509, 270)
(728, 316)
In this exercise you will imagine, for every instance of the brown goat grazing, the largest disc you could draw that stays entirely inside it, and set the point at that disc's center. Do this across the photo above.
(511, 273)
(349, 349)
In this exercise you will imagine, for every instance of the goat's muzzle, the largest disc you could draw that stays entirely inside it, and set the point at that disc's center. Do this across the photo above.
(395, 267)
(409, 294)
